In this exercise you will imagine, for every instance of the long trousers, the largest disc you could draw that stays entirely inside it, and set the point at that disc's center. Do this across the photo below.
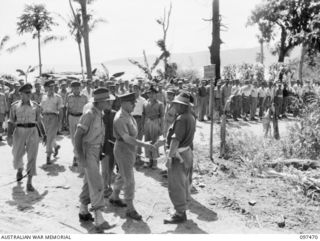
(125, 156)
(202, 107)
(92, 189)
(179, 181)
(73, 121)
(107, 166)
(25, 140)
(140, 131)
(253, 106)
(261, 106)
(51, 125)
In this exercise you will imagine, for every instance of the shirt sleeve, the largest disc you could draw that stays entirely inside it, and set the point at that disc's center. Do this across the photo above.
(161, 110)
(60, 102)
(12, 117)
(179, 130)
(85, 121)
(120, 127)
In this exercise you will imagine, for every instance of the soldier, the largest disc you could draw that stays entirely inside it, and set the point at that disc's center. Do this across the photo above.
(64, 95)
(89, 138)
(87, 90)
(74, 105)
(23, 133)
(125, 131)
(254, 100)
(203, 96)
(246, 92)
(37, 95)
(170, 112)
(107, 159)
(3, 112)
(51, 106)
(137, 115)
(180, 141)
(13, 95)
(153, 119)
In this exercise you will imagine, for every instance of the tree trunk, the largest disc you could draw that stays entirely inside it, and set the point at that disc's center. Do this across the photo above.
(261, 52)
(86, 37)
(282, 50)
(276, 134)
(81, 59)
(39, 51)
(303, 51)
(215, 44)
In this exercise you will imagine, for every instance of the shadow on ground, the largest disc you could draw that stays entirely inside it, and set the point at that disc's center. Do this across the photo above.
(25, 200)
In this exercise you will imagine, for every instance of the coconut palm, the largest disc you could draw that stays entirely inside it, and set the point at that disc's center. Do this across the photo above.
(85, 31)
(35, 19)
(75, 26)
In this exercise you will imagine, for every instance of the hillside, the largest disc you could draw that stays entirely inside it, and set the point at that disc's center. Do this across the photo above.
(198, 59)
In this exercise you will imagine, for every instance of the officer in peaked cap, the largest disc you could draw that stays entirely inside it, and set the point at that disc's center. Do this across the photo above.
(51, 105)
(125, 131)
(24, 135)
(75, 103)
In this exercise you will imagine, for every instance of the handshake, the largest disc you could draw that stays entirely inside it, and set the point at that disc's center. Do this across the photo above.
(160, 142)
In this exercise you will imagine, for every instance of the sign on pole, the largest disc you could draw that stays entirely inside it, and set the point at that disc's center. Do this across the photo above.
(210, 73)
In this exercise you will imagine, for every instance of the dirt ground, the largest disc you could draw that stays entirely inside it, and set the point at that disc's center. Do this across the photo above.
(221, 204)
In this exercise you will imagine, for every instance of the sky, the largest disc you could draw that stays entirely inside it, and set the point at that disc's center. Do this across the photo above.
(130, 29)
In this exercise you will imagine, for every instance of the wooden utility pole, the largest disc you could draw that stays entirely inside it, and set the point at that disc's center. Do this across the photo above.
(216, 41)
(85, 19)
(210, 73)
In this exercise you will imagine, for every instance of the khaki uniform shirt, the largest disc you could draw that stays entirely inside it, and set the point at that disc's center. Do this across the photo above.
(37, 97)
(75, 103)
(124, 123)
(24, 113)
(51, 104)
(91, 122)
(13, 97)
(3, 104)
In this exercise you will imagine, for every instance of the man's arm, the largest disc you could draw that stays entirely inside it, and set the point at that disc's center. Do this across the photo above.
(78, 136)
(11, 126)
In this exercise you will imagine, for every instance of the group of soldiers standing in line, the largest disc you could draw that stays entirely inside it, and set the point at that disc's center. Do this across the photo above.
(249, 99)
(109, 122)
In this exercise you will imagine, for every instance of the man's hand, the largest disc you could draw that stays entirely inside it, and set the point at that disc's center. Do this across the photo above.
(150, 147)
(9, 140)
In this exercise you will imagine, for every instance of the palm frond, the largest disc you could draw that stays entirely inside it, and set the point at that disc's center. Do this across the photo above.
(145, 59)
(15, 47)
(21, 72)
(4, 40)
(95, 22)
(157, 61)
(143, 68)
(52, 38)
(105, 70)
(116, 75)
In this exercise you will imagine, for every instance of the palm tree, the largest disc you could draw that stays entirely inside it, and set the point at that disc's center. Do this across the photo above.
(35, 19)
(75, 26)
(85, 32)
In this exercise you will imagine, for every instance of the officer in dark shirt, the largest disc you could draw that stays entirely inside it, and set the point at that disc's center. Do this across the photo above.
(107, 161)
(180, 162)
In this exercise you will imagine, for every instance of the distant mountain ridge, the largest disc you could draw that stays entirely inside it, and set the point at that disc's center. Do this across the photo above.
(197, 60)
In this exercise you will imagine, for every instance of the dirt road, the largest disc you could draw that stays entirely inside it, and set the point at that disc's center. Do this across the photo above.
(53, 208)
